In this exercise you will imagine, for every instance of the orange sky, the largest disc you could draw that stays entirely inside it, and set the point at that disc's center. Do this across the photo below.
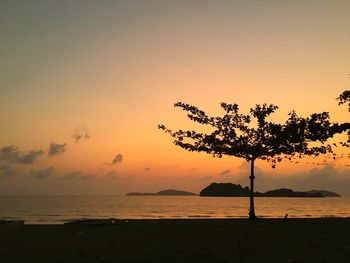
(117, 68)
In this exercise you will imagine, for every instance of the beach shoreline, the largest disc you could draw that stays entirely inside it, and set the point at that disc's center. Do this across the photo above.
(180, 240)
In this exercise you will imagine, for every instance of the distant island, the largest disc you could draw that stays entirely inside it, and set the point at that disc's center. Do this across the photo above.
(164, 192)
(236, 190)
(326, 193)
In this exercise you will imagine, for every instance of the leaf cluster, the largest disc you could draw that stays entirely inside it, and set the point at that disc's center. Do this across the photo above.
(344, 98)
(251, 136)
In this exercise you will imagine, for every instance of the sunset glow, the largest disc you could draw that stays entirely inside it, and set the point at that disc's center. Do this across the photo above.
(111, 73)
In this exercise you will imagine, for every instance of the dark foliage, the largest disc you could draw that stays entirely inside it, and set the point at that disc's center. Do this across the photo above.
(236, 134)
(252, 137)
(344, 98)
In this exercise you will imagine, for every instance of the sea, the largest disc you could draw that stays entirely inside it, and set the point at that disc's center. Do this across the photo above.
(61, 209)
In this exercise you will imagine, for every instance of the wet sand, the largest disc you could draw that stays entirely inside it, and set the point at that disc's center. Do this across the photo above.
(267, 240)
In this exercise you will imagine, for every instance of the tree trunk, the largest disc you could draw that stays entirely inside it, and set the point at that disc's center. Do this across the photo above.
(251, 197)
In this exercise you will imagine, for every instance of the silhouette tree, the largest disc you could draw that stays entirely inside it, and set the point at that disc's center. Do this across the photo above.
(344, 98)
(252, 137)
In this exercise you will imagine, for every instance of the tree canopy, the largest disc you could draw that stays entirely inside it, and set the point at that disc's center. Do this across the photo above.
(251, 136)
(344, 98)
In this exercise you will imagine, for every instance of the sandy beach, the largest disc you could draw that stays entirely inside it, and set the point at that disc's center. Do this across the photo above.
(267, 240)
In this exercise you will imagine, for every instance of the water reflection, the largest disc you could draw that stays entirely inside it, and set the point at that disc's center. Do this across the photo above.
(56, 210)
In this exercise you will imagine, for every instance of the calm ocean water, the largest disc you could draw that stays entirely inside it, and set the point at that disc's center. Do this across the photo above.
(57, 210)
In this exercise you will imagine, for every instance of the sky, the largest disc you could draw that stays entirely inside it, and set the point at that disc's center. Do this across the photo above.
(84, 85)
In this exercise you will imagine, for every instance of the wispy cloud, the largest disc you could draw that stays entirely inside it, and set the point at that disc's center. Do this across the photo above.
(112, 175)
(227, 171)
(84, 177)
(81, 133)
(42, 173)
(117, 159)
(9, 153)
(56, 149)
(30, 157)
(320, 178)
(72, 175)
(327, 178)
(129, 177)
(147, 169)
(6, 171)
(12, 154)
(245, 168)
(76, 175)
(205, 178)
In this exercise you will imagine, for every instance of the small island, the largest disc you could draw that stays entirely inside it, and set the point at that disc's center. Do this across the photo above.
(285, 192)
(166, 192)
(236, 190)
